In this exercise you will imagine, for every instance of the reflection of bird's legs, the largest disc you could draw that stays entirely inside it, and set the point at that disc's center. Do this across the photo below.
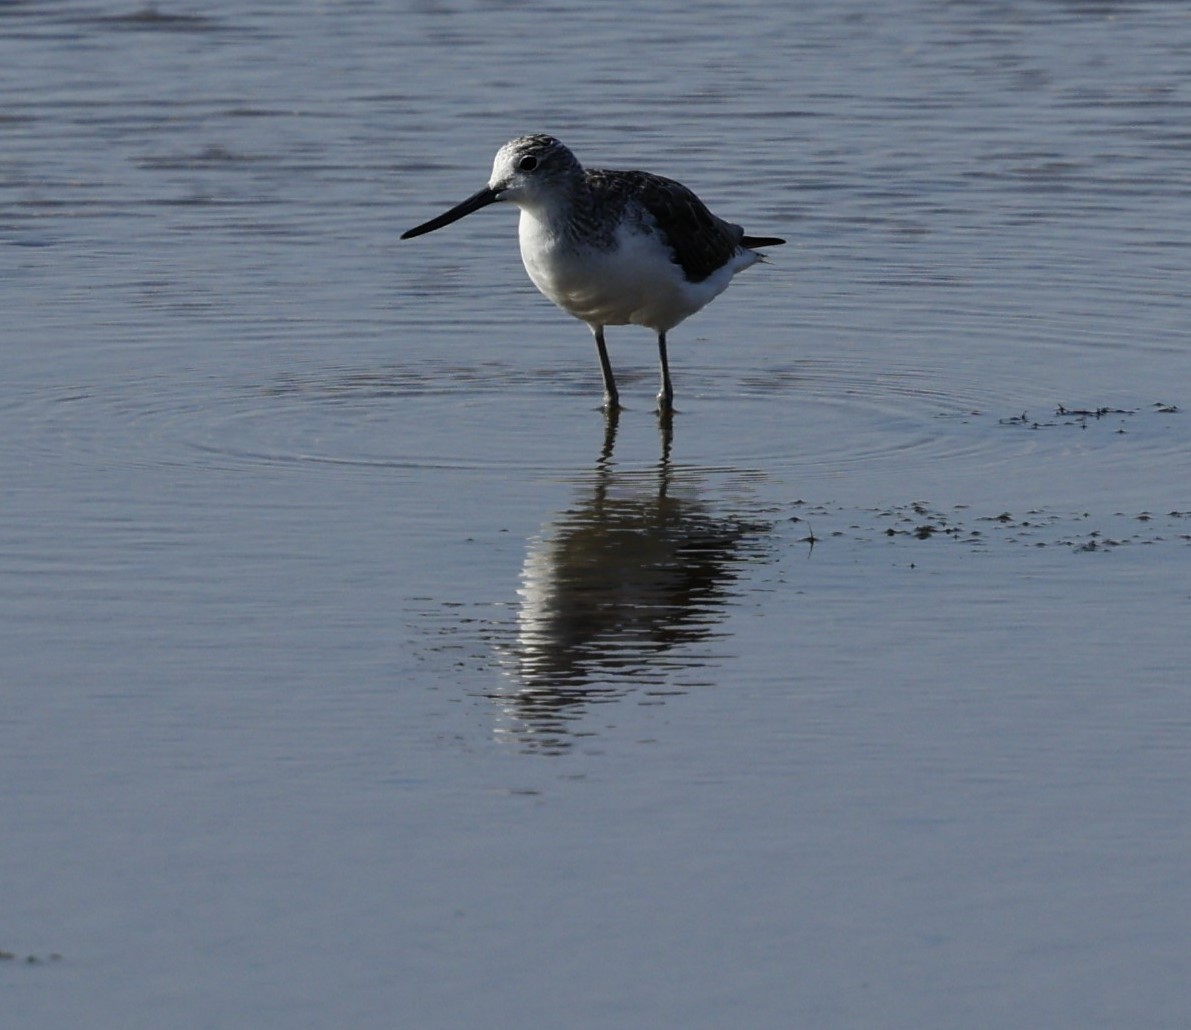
(666, 428)
(611, 422)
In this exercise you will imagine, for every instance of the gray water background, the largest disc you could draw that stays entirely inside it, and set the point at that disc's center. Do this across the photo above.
(353, 677)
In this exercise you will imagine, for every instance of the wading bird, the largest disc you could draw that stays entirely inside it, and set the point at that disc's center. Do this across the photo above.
(612, 247)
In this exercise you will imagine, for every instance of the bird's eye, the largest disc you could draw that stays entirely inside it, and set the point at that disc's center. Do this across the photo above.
(527, 163)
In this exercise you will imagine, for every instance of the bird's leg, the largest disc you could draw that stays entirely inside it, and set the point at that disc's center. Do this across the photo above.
(666, 393)
(611, 397)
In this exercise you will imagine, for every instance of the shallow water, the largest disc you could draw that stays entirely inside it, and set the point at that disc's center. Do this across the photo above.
(355, 672)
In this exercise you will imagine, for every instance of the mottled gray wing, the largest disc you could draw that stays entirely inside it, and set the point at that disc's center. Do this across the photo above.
(701, 242)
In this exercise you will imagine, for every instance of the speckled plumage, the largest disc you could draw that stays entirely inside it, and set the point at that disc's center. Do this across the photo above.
(612, 247)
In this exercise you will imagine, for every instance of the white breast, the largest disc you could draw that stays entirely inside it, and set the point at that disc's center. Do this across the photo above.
(634, 282)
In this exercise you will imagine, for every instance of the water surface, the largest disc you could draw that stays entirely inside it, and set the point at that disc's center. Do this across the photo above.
(356, 674)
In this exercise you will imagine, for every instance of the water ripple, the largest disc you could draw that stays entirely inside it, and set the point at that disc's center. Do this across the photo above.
(831, 414)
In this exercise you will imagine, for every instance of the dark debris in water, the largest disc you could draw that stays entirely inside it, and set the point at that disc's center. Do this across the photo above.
(1081, 532)
(30, 959)
(151, 18)
(1082, 417)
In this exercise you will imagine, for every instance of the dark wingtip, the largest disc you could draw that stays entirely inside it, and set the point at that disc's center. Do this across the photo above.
(762, 241)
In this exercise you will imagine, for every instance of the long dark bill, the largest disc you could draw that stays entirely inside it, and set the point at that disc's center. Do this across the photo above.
(485, 197)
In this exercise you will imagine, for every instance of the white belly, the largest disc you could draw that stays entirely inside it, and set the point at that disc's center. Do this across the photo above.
(634, 282)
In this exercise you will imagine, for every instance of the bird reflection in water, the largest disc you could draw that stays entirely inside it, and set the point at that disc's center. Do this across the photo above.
(613, 592)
